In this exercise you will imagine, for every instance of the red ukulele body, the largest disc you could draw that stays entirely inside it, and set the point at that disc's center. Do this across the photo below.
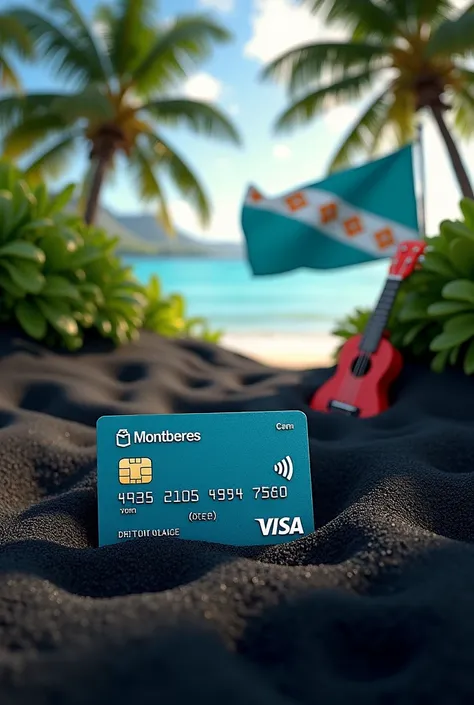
(368, 394)
(368, 364)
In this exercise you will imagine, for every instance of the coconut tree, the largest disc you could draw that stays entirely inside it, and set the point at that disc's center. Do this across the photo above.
(404, 55)
(121, 75)
(13, 38)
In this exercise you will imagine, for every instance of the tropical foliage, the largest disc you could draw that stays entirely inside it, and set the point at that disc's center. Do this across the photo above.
(434, 313)
(122, 72)
(405, 55)
(167, 315)
(60, 277)
(14, 39)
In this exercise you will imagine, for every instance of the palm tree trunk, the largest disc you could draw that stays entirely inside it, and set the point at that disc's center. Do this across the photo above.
(456, 160)
(100, 167)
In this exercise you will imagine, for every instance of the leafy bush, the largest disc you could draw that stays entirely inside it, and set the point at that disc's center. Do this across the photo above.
(168, 316)
(351, 325)
(434, 313)
(59, 277)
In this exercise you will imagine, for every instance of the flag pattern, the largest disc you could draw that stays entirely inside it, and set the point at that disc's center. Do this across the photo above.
(355, 216)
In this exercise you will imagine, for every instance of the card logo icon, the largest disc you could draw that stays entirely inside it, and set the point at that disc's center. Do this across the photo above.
(285, 468)
(280, 526)
(135, 471)
(123, 438)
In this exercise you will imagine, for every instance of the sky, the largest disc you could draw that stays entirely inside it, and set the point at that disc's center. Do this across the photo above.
(276, 163)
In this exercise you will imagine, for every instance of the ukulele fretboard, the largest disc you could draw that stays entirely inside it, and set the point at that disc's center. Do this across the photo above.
(378, 322)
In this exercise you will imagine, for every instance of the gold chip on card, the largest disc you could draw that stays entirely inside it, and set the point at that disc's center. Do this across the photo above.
(135, 471)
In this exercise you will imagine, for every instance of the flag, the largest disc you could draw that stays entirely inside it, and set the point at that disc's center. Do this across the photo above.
(353, 216)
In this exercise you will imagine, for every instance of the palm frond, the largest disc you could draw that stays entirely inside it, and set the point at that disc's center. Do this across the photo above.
(8, 75)
(129, 27)
(149, 187)
(14, 109)
(32, 130)
(466, 74)
(90, 103)
(14, 36)
(410, 15)
(52, 161)
(85, 35)
(308, 107)
(463, 109)
(188, 40)
(365, 16)
(433, 11)
(202, 118)
(364, 135)
(401, 115)
(71, 58)
(306, 64)
(166, 158)
(453, 37)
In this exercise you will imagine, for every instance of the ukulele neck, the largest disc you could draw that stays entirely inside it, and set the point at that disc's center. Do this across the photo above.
(379, 319)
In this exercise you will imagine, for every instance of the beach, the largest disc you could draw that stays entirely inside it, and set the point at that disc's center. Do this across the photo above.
(293, 351)
(375, 606)
(283, 320)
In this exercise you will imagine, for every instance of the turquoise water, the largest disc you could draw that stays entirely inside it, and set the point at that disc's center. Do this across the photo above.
(226, 292)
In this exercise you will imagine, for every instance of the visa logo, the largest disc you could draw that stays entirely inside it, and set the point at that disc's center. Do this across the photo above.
(280, 526)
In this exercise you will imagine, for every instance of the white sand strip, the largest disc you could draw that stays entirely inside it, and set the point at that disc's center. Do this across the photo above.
(295, 351)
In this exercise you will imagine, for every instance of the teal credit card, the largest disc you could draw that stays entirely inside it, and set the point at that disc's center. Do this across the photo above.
(239, 479)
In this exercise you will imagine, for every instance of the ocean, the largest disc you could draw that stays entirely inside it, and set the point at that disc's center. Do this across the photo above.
(232, 299)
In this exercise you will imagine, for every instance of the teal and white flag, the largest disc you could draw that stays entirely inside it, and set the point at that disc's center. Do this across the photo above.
(352, 216)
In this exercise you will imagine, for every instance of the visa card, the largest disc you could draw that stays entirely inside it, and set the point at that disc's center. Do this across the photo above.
(231, 478)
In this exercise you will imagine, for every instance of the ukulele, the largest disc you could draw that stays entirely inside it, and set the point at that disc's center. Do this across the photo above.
(368, 363)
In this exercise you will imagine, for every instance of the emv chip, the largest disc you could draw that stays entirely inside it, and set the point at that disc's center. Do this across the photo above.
(135, 471)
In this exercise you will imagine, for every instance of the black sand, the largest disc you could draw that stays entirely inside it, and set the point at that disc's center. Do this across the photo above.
(376, 607)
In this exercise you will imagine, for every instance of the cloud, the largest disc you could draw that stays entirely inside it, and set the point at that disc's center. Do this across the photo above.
(203, 86)
(225, 222)
(281, 151)
(220, 5)
(279, 25)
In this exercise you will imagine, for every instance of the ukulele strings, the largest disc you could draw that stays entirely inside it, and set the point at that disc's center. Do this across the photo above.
(362, 361)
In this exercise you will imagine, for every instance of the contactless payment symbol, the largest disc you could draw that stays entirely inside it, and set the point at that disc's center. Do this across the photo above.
(135, 471)
(122, 438)
(285, 468)
(234, 478)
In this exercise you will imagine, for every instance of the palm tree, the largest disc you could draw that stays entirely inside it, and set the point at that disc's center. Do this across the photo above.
(13, 37)
(409, 55)
(120, 75)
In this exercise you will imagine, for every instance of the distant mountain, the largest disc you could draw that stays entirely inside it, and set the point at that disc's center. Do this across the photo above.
(147, 228)
(149, 231)
(129, 242)
(143, 235)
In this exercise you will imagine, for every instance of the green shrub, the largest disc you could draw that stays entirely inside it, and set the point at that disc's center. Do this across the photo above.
(59, 277)
(433, 316)
(351, 325)
(168, 316)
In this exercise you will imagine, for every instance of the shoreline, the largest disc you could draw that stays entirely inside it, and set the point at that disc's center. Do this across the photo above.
(291, 350)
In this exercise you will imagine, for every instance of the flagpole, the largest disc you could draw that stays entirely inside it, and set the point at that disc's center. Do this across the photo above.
(422, 181)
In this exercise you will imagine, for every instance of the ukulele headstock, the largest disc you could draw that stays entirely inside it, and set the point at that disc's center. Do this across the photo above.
(406, 258)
